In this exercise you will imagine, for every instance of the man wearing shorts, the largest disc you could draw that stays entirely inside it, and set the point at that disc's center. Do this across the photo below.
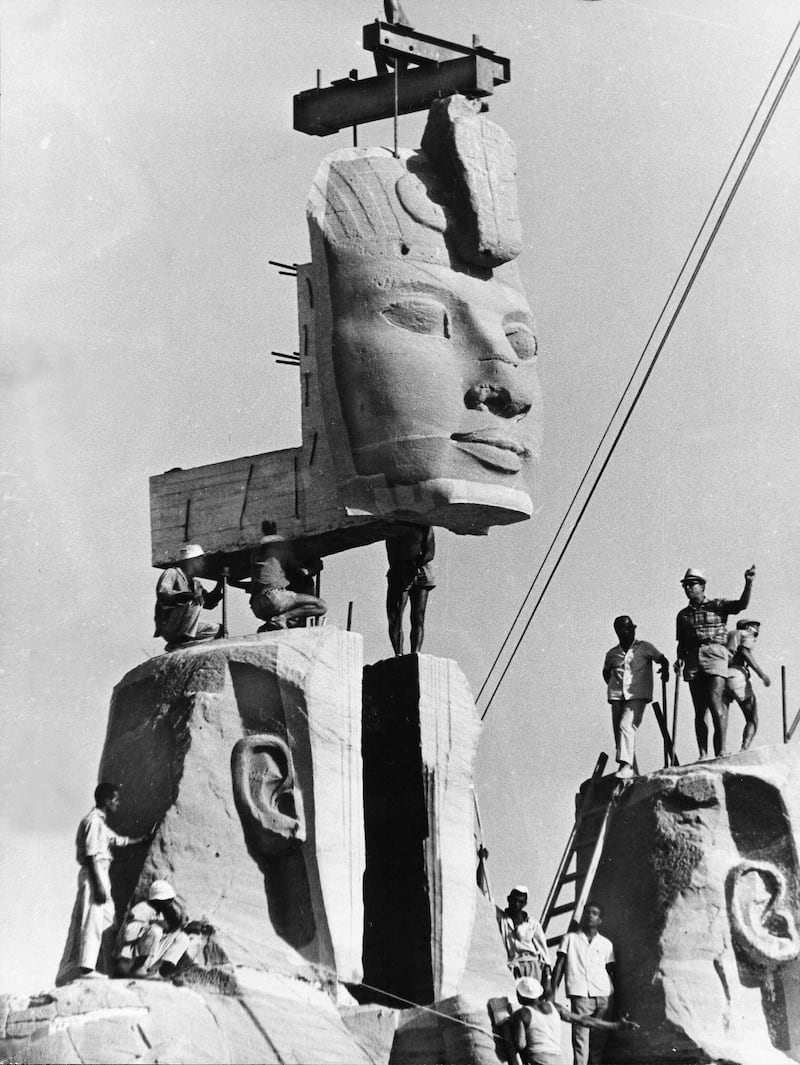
(702, 636)
(271, 599)
(741, 662)
(410, 552)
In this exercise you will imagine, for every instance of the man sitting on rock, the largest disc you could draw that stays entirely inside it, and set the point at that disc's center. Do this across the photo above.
(156, 936)
(271, 597)
(181, 598)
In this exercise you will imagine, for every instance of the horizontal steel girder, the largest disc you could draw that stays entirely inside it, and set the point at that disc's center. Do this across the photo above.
(320, 112)
(404, 42)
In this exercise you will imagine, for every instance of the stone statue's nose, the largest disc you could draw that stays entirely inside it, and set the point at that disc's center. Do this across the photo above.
(497, 399)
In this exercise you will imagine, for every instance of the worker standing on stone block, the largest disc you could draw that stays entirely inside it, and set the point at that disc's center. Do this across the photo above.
(181, 598)
(93, 914)
(586, 959)
(738, 686)
(272, 599)
(703, 653)
(536, 1027)
(410, 551)
(628, 672)
(523, 937)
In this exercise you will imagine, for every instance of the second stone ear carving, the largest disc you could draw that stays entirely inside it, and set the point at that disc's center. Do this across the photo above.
(268, 800)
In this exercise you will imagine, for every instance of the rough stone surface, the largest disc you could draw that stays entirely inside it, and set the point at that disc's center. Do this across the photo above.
(271, 1019)
(247, 753)
(700, 876)
(276, 904)
(480, 162)
(420, 739)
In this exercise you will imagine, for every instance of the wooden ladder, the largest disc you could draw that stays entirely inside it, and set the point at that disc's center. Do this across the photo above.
(588, 832)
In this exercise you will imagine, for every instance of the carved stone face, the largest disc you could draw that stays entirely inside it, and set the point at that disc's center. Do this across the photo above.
(432, 348)
(436, 372)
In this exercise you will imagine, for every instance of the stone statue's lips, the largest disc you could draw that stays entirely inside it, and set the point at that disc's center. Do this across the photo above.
(493, 448)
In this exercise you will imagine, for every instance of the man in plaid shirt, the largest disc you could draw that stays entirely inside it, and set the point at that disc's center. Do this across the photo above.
(701, 629)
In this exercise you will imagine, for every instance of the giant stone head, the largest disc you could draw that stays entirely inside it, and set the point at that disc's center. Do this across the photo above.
(431, 337)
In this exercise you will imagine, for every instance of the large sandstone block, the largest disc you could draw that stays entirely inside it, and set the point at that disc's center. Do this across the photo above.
(701, 881)
(420, 738)
(271, 1020)
(246, 753)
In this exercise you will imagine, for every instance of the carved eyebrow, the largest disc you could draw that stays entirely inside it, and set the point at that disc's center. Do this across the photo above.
(418, 315)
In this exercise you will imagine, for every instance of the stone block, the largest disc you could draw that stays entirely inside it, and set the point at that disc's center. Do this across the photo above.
(270, 1020)
(272, 857)
(699, 874)
(420, 737)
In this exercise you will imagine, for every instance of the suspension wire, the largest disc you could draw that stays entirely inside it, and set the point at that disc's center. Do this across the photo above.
(687, 289)
(636, 368)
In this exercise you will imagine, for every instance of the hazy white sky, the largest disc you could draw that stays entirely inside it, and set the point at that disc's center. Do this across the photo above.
(150, 171)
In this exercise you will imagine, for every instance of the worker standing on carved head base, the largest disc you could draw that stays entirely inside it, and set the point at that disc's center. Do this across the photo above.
(181, 599)
(628, 672)
(738, 685)
(702, 636)
(410, 550)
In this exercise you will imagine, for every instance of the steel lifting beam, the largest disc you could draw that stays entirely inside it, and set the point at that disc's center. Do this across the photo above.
(349, 102)
(405, 43)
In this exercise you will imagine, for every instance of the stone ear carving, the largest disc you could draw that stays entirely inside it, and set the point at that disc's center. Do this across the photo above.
(268, 800)
(763, 913)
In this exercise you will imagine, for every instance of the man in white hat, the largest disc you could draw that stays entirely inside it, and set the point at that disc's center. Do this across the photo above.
(181, 598)
(155, 936)
(536, 1026)
(523, 937)
(702, 634)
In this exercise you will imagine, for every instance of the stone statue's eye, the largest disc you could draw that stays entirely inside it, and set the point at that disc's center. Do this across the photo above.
(521, 340)
(419, 316)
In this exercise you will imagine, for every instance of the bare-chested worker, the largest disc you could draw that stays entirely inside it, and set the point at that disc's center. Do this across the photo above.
(738, 686)
(181, 599)
(703, 653)
(410, 550)
(271, 597)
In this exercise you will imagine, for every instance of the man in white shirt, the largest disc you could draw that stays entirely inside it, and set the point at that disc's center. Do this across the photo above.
(628, 672)
(89, 939)
(587, 960)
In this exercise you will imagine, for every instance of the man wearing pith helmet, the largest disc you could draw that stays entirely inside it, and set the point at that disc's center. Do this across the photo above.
(181, 598)
(702, 634)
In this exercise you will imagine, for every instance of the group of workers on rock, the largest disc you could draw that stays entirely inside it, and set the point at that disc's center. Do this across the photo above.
(155, 939)
(584, 959)
(283, 589)
(716, 663)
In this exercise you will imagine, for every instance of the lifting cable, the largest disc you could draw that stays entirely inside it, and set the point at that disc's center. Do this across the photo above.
(686, 288)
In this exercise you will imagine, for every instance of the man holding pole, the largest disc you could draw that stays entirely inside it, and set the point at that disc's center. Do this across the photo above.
(702, 636)
(628, 672)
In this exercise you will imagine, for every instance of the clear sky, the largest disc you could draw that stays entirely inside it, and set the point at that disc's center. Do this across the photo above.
(150, 171)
